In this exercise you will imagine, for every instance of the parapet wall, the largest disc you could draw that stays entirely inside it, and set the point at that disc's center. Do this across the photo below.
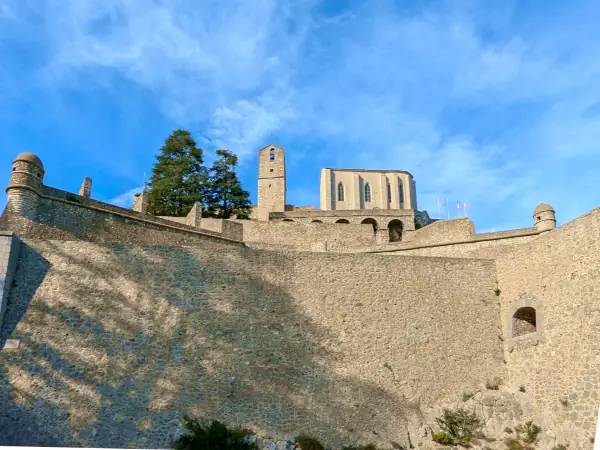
(69, 217)
(445, 231)
(335, 345)
(308, 236)
(558, 275)
(457, 239)
(227, 228)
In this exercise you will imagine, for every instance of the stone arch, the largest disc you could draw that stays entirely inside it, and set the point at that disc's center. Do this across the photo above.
(524, 321)
(518, 322)
(395, 228)
(287, 220)
(342, 221)
(316, 221)
(371, 221)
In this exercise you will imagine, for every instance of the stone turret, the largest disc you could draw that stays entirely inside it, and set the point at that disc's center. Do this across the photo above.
(25, 185)
(86, 188)
(140, 202)
(544, 218)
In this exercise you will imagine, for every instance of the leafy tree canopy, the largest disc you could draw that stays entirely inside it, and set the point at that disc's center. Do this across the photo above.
(178, 177)
(179, 180)
(226, 196)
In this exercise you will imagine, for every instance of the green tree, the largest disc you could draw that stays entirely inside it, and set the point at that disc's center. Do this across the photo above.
(226, 197)
(179, 178)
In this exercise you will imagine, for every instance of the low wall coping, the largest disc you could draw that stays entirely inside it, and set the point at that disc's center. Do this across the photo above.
(464, 241)
(140, 219)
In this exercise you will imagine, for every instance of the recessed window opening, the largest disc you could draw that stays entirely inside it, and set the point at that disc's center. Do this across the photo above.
(524, 321)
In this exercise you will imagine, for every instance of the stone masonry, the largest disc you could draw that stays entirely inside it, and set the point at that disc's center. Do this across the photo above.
(126, 321)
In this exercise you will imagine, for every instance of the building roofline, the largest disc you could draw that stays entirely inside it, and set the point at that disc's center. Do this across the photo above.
(369, 170)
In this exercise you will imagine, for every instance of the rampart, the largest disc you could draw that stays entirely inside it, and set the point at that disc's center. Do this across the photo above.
(226, 228)
(308, 236)
(65, 216)
(558, 276)
(445, 231)
(133, 336)
(457, 239)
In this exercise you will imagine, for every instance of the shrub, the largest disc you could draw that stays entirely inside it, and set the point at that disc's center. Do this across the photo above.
(516, 444)
(531, 432)
(459, 427)
(494, 384)
(360, 447)
(308, 443)
(521, 388)
(467, 396)
(497, 292)
(210, 435)
(508, 430)
(442, 438)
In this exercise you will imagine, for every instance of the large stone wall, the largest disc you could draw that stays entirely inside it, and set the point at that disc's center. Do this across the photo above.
(308, 236)
(118, 341)
(557, 274)
(445, 231)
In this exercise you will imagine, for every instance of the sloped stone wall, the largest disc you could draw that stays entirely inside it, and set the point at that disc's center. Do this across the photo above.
(118, 341)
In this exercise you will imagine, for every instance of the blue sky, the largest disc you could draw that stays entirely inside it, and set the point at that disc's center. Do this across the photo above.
(496, 104)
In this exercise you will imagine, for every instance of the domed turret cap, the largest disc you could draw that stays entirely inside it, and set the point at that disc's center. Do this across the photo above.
(30, 157)
(543, 207)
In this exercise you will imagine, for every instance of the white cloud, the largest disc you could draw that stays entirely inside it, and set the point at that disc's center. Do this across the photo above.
(125, 200)
(374, 86)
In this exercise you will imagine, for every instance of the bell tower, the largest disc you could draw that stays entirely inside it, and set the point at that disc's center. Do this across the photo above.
(271, 181)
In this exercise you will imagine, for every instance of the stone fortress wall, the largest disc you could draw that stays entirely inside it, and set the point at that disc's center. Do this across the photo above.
(558, 277)
(125, 321)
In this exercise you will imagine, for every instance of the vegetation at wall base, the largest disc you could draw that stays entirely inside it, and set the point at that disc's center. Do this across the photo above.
(458, 427)
(211, 435)
(308, 443)
(531, 431)
(360, 447)
(527, 436)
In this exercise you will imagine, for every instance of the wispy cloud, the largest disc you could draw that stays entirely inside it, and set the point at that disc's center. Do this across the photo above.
(125, 200)
(492, 103)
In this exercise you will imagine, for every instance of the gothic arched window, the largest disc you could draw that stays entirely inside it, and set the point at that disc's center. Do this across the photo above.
(400, 191)
(340, 192)
(272, 155)
(367, 193)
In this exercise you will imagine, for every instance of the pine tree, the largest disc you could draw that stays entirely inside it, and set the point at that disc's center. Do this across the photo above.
(226, 197)
(178, 177)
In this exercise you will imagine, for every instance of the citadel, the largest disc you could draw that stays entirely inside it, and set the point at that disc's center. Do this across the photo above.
(356, 322)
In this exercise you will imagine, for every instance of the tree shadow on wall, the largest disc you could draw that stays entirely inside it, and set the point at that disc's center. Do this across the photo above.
(120, 341)
(19, 422)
